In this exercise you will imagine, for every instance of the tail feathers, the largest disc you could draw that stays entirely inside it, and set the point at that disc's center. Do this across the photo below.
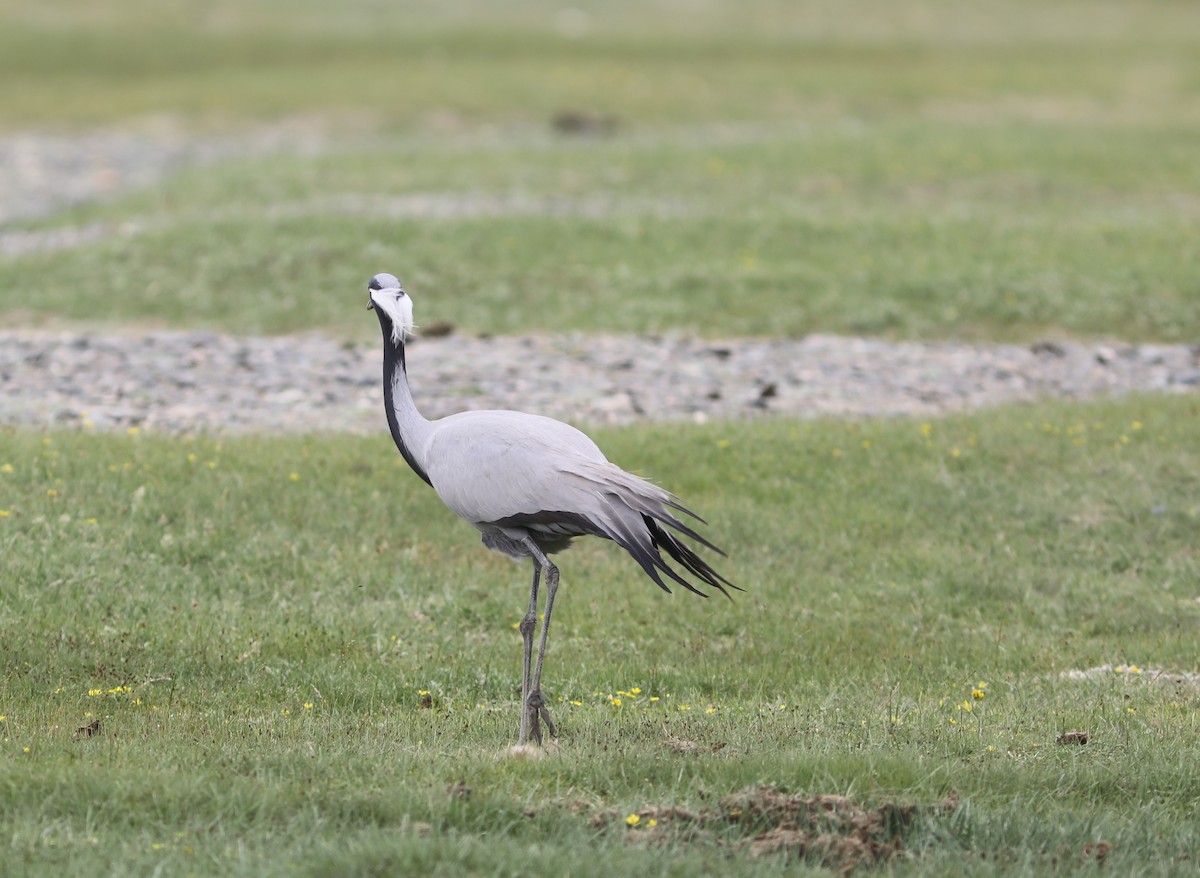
(641, 535)
(670, 520)
(692, 562)
(636, 514)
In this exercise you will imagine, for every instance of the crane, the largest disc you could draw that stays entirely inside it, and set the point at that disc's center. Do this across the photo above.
(530, 485)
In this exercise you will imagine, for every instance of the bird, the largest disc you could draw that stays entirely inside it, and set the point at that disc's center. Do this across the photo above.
(530, 485)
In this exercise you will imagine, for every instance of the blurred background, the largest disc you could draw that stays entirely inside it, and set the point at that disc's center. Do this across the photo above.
(922, 169)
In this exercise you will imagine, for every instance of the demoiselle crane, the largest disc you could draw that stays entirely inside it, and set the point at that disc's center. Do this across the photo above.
(530, 485)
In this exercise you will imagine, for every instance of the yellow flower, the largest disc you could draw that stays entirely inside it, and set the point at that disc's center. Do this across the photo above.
(633, 820)
(308, 705)
(191, 458)
(978, 694)
(711, 710)
(652, 822)
(133, 431)
(926, 430)
(6, 468)
(4, 513)
(635, 691)
(615, 702)
(51, 492)
(577, 703)
(653, 698)
(722, 443)
(295, 477)
(286, 712)
(954, 452)
(1136, 425)
(3, 717)
(422, 691)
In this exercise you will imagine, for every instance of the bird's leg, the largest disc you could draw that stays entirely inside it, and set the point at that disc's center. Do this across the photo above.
(528, 623)
(535, 707)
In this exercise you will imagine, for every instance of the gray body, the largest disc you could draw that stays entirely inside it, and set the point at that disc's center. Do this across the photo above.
(501, 470)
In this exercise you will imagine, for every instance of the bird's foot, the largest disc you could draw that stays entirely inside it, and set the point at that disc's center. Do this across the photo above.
(537, 713)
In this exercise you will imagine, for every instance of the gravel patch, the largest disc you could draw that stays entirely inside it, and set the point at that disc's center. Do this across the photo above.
(431, 206)
(41, 173)
(206, 382)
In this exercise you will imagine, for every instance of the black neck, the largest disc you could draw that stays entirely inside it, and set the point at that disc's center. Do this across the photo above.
(393, 371)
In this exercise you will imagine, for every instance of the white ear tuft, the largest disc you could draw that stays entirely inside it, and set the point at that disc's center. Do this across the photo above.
(398, 308)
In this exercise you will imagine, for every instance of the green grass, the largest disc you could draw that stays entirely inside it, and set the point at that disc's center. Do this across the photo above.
(889, 568)
(1046, 233)
(89, 63)
(920, 170)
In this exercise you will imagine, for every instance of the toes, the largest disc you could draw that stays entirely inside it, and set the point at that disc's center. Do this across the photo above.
(550, 727)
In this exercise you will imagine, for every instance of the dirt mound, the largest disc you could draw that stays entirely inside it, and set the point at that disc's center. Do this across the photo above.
(832, 830)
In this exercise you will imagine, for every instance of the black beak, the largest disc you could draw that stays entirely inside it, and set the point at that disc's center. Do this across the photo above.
(370, 305)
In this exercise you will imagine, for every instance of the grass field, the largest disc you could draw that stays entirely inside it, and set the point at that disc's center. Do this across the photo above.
(918, 169)
(301, 664)
(293, 673)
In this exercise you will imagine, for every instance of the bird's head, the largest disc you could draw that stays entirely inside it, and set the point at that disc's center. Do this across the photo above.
(393, 306)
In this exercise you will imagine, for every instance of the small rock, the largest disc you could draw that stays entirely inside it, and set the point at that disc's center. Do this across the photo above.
(1048, 348)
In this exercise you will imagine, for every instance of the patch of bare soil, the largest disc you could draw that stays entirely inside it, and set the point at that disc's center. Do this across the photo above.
(835, 831)
(1072, 738)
